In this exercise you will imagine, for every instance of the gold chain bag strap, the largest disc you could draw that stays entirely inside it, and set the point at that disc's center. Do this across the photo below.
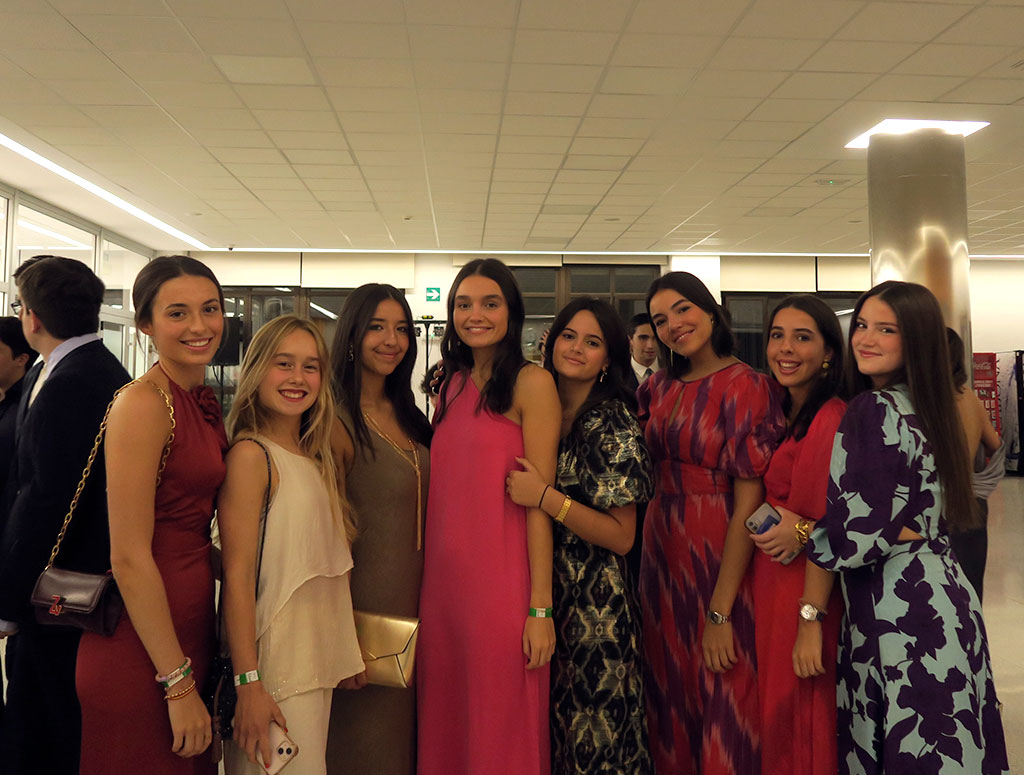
(86, 601)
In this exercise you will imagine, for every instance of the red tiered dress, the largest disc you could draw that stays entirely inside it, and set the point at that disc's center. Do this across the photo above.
(702, 435)
(480, 711)
(798, 715)
(125, 728)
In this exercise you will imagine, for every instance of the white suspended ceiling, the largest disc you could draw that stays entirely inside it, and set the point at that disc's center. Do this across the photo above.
(585, 125)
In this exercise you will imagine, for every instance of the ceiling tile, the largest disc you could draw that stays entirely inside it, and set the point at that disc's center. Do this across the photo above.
(63, 65)
(459, 101)
(993, 24)
(775, 109)
(735, 83)
(117, 92)
(460, 75)
(647, 50)
(646, 80)
(373, 41)
(283, 97)
(557, 47)
(193, 95)
(546, 104)
(373, 100)
(236, 138)
(817, 19)
(45, 31)
(901, 22)
(264, 69)
(247, 37)
(319, 141)
(687, 18)
(376, 73)
(586, 15)
(910, 88)
(762, 54)
(859, 56)
(553, 78)
(823, 85)
(380, 122)
(539, 125)
(494, 13)
(469, 44)
(215, 118)
(629, 106)
(987, 91)
(156, 66)
(230, 9)
(137, 33)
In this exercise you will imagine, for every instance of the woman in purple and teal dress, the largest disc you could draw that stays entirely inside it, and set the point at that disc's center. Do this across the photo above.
(712, 423)
(915, 682)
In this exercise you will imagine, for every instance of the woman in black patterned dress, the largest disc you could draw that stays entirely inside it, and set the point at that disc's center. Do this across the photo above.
(598, 725)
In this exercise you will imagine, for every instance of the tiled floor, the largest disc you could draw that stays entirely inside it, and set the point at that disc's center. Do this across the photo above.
(1004, 609)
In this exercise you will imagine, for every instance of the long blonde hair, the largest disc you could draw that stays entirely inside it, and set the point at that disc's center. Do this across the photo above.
(248, 417)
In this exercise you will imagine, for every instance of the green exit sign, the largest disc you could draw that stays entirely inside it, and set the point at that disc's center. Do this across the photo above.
(433, 294)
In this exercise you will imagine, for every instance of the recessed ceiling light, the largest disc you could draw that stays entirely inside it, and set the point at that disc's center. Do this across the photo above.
(102, 193)
(901, 126)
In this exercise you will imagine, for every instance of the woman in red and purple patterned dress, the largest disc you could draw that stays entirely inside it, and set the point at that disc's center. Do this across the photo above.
(712, 423)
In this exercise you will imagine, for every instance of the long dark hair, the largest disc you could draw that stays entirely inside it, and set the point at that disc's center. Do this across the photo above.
(496, 395)
(158, 271)
(830, 382)
(690, 286)
(614, 385)
(928, 375)
(347, 367)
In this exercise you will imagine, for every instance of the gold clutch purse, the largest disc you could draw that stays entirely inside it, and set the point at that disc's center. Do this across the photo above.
(388, 644)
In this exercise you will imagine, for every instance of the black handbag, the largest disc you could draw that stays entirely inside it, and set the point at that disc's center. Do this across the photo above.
(219, 693)
(85, 601)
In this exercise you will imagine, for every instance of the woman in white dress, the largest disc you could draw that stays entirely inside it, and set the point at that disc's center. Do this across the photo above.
(287, 605)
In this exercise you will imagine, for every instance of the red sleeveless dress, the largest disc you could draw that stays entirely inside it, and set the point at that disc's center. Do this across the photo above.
(125, 727)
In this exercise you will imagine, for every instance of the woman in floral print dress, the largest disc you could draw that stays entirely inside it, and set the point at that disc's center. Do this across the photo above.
(915, 682)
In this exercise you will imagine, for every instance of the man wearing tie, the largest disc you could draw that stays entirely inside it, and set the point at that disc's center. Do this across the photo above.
(643, 349)
(63, 401)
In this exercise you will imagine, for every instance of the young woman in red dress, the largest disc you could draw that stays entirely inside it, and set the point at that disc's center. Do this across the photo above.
(712, 423)
(794, 638)
(160, 540)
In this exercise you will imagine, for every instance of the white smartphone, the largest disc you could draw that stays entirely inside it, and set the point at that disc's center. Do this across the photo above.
(282, 749)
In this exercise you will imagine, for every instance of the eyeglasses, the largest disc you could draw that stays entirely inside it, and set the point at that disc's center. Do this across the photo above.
(16, 306)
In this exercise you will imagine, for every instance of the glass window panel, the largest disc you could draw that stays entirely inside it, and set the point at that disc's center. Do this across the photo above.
(269, 305)
(747, 314)
(324, 309)
(590, 280)
(3, 243)
(628, 307)
(141, 355)
(118, 268)
(113, 338)
(635, 279)
(37, 234)
(540, 305)
(533, 329)
(535, 279)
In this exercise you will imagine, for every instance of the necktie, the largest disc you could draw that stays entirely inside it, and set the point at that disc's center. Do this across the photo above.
(647, 373)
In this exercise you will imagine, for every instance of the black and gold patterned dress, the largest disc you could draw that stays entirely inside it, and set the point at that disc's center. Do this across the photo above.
(598, 723)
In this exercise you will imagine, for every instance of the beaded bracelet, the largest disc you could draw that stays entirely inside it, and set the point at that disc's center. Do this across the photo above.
(183, 693)
(542, 613)
(175, 675)
(177, 679)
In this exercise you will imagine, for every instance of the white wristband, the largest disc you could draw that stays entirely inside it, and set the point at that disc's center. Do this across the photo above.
(247, 678)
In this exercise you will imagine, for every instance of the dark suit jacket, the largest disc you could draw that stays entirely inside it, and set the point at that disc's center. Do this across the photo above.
(54, 438)
(631, 381)
(8, 424)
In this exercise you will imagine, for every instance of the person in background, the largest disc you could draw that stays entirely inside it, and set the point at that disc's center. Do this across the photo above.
(712, 424)
(287, 601)
(597, 717)
(915, 680)
(16, 358)
(382, 444)
(643, 362)
(487, 635)
(798, 714)
(643, 350)
(970, 545)
(63, 401)
(165, 462)
(431, 383)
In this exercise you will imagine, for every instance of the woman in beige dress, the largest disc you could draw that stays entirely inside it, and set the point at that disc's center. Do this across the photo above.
(381, 446)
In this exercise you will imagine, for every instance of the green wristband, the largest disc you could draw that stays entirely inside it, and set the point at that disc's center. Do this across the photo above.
(247, 678)
(542, 613)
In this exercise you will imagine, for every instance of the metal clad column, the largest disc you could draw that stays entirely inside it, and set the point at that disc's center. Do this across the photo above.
(917, 211)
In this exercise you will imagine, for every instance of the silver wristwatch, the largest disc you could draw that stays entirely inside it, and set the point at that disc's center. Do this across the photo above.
(811, 614)
(716, 618)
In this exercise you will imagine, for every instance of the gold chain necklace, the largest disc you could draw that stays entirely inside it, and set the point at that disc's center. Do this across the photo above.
(415, 463)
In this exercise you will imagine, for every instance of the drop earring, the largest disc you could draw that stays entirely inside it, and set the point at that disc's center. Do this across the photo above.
(826, 366)
(351, 354)
(604, 371)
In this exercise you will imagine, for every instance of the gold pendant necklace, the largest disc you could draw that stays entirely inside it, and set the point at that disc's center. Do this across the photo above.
(415, 463)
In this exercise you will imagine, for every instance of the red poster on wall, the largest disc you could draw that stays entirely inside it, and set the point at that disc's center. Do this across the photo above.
(986, 387)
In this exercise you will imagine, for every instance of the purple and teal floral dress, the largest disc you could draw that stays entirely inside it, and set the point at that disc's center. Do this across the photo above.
(915, 690)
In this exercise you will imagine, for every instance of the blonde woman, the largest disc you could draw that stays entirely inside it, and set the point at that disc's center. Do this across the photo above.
(287, 604)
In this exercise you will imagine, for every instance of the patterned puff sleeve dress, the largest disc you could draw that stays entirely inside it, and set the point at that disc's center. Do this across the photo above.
(915, 683)
(702, 435)
(597, 715)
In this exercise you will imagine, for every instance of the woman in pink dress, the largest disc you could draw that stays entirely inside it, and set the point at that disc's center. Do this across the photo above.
(486, 633)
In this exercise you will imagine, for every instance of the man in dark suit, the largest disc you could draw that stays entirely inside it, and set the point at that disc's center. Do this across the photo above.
(63, 401)
(643, 362)
(16, 357)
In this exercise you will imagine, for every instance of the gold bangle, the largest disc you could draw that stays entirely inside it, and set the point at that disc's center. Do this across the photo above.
(562, 512)
(803, 531)
(182, 693)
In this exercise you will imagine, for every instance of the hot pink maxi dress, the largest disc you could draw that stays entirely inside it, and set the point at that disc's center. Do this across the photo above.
(481, 712)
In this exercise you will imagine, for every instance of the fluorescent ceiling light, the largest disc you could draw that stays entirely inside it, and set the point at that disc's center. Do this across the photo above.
(901, 126)
(102, 193)
(323, 310)
(56, 235)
